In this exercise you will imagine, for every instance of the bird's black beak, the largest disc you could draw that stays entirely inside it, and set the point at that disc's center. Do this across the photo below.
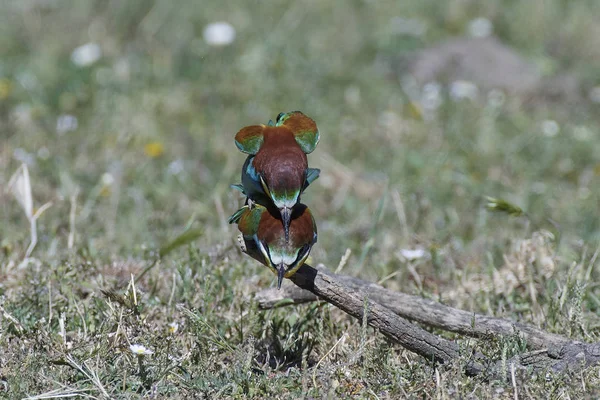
(280, 274)
(286, 215)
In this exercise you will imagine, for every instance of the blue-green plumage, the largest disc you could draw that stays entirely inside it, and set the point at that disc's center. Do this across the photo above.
(264, 241)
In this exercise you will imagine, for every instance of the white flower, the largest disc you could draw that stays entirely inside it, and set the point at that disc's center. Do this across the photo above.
(463, 90)
(550, 128)
(86, 55)
(107, 179)
(219, 34)
(140, 350)
(173, 327)
(176, 167)
(480, 27)
(66, 123)
(412, 254)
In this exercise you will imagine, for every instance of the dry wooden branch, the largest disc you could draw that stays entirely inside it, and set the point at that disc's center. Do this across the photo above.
(425, 311)
(410, 336)
(386, 310)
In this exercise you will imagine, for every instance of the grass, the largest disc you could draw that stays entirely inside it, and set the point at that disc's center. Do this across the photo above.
(152, 155)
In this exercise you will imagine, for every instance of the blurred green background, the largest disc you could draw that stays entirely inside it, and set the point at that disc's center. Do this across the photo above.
(157, 82)
(126, 110)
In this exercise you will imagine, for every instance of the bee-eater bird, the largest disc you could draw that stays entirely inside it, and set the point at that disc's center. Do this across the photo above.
(276, 170)
(263, 236)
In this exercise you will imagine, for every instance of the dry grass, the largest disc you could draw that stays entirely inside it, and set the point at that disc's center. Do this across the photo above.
(136, 149)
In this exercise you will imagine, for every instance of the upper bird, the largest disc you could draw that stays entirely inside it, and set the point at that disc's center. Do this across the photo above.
(262, 233)
(276, 170)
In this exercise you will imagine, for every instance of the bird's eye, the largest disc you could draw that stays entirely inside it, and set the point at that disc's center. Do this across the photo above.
(279, 117)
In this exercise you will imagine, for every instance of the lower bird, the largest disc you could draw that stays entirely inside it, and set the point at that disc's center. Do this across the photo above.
(265, 241)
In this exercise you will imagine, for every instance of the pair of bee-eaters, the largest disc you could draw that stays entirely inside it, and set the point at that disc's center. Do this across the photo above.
(277, 229)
